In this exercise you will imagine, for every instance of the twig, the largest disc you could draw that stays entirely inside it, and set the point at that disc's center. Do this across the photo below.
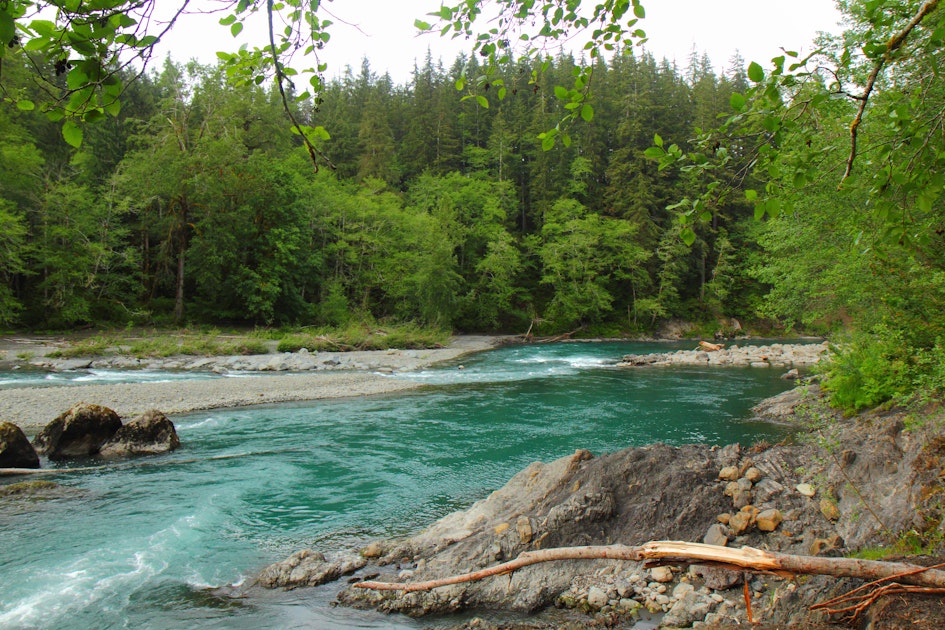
(894, 44)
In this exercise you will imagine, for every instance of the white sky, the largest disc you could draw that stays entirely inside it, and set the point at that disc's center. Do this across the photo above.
(756, 28)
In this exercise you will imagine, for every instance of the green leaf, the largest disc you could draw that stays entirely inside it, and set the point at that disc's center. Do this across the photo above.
(755, 72)
(654, 153)
(483, 101)
(751, 195)
(236, 28)
(587, 112)
(421, 25)
(737, 101)
(657, 140)
(639, 11)
(688, 236)
(113, 108)
(7, 25)
(547, 143)
(759, 211)
(25, 105)
(72, 133)
(561, 92)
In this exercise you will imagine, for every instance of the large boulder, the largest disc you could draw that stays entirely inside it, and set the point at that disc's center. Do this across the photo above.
(148, 434)
(79, 432)
(15, 448)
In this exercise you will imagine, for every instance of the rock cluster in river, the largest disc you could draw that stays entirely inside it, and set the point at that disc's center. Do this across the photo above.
(774, 355)
(87, 430)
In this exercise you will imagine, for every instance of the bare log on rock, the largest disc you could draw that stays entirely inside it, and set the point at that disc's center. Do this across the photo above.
(671, 552)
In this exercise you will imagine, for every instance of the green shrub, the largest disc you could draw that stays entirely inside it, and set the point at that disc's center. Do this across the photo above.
(871, 369)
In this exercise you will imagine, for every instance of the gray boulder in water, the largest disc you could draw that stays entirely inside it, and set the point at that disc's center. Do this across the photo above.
(79, 432)
(15, 448)
(148, 434)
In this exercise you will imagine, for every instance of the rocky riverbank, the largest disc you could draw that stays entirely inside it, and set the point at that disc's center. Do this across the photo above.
(774, 355)
(846, 485)
(315, 376)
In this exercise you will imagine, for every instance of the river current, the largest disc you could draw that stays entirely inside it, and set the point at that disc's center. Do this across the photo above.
(139, 544)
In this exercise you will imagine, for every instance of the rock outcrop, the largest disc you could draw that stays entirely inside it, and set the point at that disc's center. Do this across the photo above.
(149, 434)
(867, 470)
(15, 448)
(79, 432)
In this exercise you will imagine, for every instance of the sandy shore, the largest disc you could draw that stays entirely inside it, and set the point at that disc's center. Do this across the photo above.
(33, 407)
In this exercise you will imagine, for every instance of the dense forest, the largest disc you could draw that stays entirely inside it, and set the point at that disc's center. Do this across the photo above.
(804, 192)
(198, 204)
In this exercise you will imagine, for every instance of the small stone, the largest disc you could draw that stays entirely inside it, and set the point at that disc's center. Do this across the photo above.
(740, 522)
(524, 527)
(716, 536)
(742, 499)
(829, 509)
(730, 489)
(682, 589)
(820, 546)
(596, 598)
(806, 489)
(501, 528)
(628, 605)
(723, 518)
(373, 550)
(729, 473)
(753, 475)
(661, 574)
(718, 579)
(768, 520)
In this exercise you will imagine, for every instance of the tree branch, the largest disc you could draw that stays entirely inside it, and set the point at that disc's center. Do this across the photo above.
(314, 153)
(894, 44)
(687, 553)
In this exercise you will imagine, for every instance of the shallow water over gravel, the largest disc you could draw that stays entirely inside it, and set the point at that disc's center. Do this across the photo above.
(135, 545)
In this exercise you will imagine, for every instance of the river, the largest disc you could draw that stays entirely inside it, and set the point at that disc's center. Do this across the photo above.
(138, 544)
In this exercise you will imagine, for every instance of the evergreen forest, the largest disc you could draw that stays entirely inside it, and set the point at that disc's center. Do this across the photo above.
(197, 204)
(649, 192)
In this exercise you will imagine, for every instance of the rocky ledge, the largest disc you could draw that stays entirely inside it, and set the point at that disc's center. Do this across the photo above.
(774, 355)
(844, 487)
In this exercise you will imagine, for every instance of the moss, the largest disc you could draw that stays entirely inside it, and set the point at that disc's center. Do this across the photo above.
(27, 488)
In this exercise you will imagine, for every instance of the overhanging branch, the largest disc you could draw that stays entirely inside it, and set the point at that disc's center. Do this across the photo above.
(892, 46)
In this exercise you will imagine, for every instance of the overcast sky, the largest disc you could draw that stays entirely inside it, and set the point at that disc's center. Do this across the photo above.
(756, 28)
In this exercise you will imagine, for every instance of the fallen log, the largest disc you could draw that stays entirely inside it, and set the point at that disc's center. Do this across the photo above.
(675, 552)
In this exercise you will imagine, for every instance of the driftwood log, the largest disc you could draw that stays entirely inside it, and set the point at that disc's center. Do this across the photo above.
(672, 552)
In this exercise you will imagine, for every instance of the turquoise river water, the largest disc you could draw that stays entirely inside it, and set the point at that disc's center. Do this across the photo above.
(138, 545)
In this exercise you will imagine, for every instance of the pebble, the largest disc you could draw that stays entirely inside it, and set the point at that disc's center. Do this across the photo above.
(806, 489)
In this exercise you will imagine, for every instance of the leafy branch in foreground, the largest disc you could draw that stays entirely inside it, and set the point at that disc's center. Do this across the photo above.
(787, 131)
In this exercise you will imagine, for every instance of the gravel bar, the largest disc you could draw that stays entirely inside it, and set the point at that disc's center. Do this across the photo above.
(31, 408)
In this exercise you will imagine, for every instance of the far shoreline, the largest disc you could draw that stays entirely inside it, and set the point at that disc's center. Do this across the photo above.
(31, 408)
